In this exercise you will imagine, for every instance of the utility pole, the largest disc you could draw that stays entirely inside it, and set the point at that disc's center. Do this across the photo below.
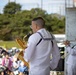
(37, 5)
(41, 4)
(8, 1)
(15, 1)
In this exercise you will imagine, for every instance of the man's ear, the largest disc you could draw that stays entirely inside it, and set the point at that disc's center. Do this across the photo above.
(36, 26)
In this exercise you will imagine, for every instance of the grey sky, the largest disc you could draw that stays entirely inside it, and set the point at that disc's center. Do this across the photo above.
(51, 6)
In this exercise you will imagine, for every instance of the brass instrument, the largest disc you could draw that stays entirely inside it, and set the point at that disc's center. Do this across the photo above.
(21, 43)
(20, 54)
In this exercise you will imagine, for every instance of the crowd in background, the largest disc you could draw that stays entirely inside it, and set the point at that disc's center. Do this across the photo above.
(10, 64)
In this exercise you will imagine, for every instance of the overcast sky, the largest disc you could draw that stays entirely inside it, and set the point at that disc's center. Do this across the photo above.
(50, 6)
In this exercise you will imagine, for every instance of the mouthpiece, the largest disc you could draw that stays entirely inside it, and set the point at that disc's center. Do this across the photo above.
(26, 36)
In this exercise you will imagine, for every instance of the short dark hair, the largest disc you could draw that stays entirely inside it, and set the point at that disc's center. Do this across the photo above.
(39, 18)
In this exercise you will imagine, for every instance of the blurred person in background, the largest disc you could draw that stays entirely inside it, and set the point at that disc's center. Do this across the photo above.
(16, 65)
(7, 63)
(71, 60)
(23, 69)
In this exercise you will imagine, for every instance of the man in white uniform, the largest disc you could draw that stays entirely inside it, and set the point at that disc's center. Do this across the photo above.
(71, 60)
(41, 44)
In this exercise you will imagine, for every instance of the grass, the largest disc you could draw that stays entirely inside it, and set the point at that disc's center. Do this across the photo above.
(9, 44)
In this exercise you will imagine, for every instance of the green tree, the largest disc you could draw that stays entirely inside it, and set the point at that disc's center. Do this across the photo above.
(12, 8)
(18, 25)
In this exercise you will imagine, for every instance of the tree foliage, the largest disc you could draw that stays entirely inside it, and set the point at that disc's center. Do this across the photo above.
(18, 24)
(12, 8)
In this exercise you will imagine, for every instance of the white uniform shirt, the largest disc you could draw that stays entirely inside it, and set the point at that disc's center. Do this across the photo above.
(72, 55)
(39, 56)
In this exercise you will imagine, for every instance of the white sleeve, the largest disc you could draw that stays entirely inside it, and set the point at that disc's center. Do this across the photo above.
(31, 47)
(73, 51)
(29, 51)
(55, 56)
(68, 49)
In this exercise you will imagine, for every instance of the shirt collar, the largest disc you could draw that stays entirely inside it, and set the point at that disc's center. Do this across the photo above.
(41, 30)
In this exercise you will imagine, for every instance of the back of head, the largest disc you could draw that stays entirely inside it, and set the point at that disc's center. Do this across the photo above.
(39, 21)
